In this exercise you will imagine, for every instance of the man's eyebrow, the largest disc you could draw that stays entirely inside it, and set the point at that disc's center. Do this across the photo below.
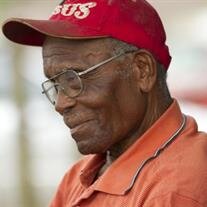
(53, 76)
(78, 69)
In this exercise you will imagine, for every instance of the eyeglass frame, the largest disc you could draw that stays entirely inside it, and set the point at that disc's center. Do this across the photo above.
(79, 74)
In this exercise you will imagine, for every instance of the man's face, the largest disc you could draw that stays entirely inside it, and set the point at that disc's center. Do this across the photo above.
(110, 108)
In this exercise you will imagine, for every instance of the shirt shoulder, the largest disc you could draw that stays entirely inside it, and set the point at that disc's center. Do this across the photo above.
(180, 172)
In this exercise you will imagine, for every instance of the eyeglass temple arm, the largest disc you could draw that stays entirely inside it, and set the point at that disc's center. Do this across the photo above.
(102, 63)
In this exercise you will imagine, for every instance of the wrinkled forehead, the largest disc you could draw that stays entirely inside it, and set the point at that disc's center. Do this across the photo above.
(52, 44)
(60, 53)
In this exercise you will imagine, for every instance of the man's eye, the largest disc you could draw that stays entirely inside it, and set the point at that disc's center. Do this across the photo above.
(71, 80)
(70, 76)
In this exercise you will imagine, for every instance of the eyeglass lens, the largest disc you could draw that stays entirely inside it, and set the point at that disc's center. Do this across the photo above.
(69, 82)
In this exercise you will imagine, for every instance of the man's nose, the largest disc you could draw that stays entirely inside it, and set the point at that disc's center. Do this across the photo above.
(64, 102)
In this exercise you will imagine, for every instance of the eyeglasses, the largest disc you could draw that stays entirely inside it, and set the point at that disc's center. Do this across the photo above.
(70, 82)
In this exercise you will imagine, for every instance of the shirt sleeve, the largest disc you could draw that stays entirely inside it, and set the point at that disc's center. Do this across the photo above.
(173, 199)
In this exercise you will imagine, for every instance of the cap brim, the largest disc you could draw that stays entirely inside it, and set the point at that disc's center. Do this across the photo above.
(33, 32)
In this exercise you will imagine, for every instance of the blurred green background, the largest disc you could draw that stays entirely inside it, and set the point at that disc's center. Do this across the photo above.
(35, 147)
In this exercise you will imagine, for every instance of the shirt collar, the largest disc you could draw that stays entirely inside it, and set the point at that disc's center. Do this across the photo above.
(144, 148)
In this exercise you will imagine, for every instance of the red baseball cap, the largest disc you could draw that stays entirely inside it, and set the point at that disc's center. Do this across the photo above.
(133, 21)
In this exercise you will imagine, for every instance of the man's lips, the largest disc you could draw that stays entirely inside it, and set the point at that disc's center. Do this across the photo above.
(75, 123)
(81, 126)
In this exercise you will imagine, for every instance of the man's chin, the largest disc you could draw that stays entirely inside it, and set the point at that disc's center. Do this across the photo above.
(89, 139)
(86, 148)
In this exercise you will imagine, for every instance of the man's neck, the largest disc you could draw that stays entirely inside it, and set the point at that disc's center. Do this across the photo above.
(153, 114)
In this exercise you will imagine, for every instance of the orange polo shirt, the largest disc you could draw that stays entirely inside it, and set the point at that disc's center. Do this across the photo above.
(165, 167)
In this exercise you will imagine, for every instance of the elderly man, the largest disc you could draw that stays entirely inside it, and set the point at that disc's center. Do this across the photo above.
(106, 63)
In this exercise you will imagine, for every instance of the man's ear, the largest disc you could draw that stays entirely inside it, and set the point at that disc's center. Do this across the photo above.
(145, 70)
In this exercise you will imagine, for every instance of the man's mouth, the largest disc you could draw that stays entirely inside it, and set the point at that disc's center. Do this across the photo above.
(72, 124)
(79, 127)
(81, 131)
